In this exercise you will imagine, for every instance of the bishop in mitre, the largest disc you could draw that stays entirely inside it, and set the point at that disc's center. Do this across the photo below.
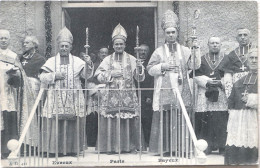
(118, 72)
(169, 65)
(64, 71)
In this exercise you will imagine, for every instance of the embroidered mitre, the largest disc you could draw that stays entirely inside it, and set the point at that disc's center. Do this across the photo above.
(119, 33)
(65, 36)
(169, 19)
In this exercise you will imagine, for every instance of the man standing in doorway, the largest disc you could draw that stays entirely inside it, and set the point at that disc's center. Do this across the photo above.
(119, 103)
(64, 71)
(146, 95)
(169, 64)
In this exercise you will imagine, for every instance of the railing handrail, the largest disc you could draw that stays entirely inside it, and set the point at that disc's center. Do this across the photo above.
(14, 153)
(199, 152)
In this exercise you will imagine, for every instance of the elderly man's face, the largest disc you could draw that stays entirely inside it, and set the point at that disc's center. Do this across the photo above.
(119, 46)
(243, 37)
(252, 61)
(4, 40)
(28, 44)
(143, 52)
(103, 52)
(170, 34)
(214, 45)
(64, 48)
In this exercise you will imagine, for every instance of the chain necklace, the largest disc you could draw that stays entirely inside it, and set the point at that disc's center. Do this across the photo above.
(239, 56)
(212, 65)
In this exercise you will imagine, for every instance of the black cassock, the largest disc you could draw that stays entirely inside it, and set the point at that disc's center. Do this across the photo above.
(242, 139)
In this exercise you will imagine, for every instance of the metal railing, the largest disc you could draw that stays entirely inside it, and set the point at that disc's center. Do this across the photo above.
(179, 137)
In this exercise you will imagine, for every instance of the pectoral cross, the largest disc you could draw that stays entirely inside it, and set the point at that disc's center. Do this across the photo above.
(245, 93)
(243, 68)
(24, 62)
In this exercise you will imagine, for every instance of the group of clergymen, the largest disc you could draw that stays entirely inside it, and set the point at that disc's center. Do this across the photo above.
(226, 94)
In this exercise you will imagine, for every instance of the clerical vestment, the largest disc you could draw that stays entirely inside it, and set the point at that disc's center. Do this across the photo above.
(165, 82)
(209, 71)
(8, 93)
(8, 100)
(164, 96)
(14, 101)
(67, 103)
(119, 97)
(120, 92)
(235, 67)
(242, 130)
(31, 67)
(211, 104)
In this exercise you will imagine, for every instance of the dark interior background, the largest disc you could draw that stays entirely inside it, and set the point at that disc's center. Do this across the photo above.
(101, 23)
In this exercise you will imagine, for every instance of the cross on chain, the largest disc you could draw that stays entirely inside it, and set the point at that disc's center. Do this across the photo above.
(245, 93)
(243, 68)
(24, 62)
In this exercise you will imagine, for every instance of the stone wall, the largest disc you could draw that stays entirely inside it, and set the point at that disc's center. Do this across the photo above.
(56, 16)
(21, 19)
(217, 18)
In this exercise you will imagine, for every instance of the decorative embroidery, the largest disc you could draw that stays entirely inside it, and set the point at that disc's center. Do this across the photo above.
(67, 103)
(125, 98)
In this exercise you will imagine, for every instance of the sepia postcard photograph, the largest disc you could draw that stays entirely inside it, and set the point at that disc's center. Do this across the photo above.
(88, 83)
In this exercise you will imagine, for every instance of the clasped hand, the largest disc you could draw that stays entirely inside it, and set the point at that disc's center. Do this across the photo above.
(60, 75)
(168, 67)
(116, 73)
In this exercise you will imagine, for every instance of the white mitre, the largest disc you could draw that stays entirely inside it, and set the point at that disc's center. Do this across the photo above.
(119, 33)
(65, 36)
